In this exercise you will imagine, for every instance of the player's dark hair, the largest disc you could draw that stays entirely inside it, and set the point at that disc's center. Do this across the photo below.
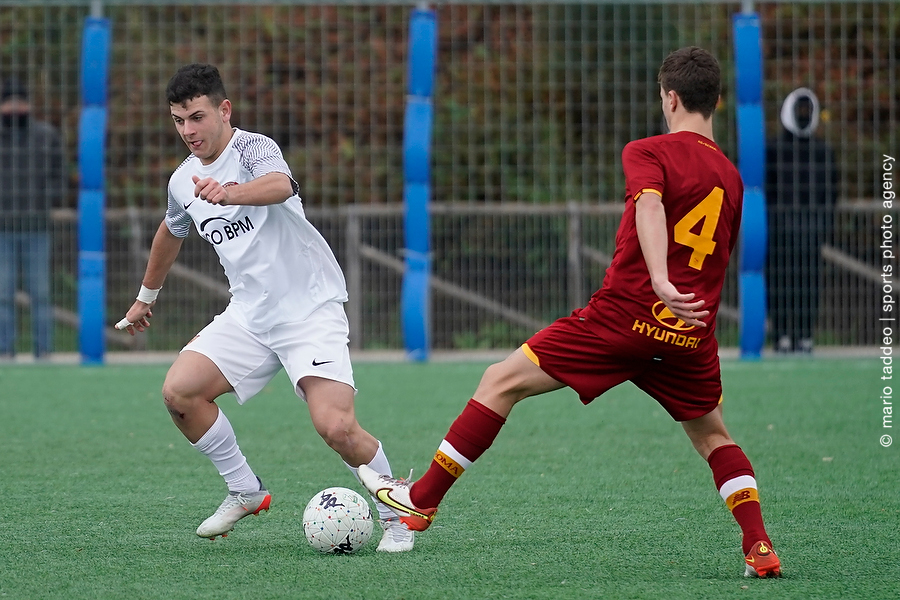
(193, 81)
(693, 74)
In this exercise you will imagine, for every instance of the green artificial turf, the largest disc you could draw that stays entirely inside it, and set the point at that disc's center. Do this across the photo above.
(101, 494)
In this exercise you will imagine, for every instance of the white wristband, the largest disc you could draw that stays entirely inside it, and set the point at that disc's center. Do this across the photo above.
(147, 296)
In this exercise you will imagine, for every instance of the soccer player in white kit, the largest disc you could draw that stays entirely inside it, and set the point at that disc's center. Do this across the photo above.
(286, 309)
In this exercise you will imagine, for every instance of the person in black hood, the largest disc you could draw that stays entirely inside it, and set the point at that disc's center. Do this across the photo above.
(801, 191)
(33, 182)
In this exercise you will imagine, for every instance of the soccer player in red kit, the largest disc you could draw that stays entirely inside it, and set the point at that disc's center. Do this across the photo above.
(653, 321)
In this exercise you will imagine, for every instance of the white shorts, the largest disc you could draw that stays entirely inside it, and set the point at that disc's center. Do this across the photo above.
(317, 346)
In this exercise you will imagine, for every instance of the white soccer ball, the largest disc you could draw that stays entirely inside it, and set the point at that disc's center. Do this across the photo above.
(338, 521)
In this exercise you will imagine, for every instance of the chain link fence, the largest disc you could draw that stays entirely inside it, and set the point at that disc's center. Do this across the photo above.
(533, 105)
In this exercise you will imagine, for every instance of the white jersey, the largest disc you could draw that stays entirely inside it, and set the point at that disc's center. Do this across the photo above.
(279, 267)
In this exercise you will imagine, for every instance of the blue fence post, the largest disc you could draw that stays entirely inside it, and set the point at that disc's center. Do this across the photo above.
(415, 298)
(91, 195)
(751, 163)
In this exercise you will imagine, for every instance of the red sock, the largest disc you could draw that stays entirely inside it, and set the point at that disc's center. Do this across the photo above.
(473, 432)
(736, 483)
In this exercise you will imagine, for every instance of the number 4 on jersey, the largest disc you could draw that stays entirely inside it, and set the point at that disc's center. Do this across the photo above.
(708, 211)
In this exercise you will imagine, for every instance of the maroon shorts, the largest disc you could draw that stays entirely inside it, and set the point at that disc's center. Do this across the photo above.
(592, 357)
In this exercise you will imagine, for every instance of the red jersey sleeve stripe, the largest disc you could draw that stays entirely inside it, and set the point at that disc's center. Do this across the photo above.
(643, 191)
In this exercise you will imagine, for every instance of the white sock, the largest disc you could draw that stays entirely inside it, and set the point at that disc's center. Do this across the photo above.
(379, 464)
(219, 444)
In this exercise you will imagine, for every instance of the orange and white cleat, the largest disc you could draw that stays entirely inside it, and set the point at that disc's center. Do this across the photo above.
(235, 507)
(762, 561)
(397, 536)
(394, 493)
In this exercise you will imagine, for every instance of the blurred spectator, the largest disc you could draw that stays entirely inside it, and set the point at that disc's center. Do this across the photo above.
(801, 190)
(31, 183)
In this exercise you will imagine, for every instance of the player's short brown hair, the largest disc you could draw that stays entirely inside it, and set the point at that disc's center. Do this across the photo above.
(693, 74)
(193, 81)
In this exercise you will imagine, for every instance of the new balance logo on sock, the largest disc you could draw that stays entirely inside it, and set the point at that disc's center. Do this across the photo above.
(741, 496)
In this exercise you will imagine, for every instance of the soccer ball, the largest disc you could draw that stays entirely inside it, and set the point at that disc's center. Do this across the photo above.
(338, 521)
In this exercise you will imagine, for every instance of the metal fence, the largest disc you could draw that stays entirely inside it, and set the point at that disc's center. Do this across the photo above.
(533, 102)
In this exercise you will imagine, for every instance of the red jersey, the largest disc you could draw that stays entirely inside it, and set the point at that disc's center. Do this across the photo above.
(702, 193)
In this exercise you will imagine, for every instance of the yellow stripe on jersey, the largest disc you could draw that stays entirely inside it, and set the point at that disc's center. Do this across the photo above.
(450, 465)
(645, 190)
(721, 398)
(531, 355)
(741, 496)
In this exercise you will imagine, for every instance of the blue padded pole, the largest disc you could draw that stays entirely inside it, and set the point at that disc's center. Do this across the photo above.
(91, 195)
(751, 163)
(415, 298)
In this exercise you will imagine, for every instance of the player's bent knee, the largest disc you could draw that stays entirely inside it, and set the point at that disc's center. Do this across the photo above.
(499, 378)
(336, 428)
(175, 402)
(173, 390)
(505, 379)
(181, 399)
(706, 444)
(338, 437)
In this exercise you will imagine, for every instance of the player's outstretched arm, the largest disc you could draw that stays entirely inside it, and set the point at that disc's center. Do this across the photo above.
(271, 188)
(650, 221)
(163, 252)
